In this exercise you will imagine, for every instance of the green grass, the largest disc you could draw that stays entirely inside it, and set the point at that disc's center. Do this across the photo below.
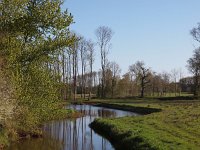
(176, 127)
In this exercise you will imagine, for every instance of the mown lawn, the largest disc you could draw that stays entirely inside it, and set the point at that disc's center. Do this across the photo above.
(177, 126)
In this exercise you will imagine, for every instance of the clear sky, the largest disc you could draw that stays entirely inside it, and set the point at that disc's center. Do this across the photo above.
(154, 31)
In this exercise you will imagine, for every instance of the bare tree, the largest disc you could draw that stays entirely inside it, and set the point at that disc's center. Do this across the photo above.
(194, 68)
(132, 81)
(99, 76)
(180, 77)
(90, 49)
(174, 75)
(69, 72)
(142, 75)
(63, 60)
(75, 68)
(104, 35)
(195, 32)
(115, 69)
(83, 56)
(194, 61)
(165, 81)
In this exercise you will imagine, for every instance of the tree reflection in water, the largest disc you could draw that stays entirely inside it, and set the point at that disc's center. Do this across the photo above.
(76, 134)
(73, 134)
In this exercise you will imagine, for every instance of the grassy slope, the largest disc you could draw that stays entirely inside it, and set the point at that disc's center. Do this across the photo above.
(176, 127)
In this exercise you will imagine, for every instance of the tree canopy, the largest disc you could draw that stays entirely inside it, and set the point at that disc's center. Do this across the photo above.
(32, 34)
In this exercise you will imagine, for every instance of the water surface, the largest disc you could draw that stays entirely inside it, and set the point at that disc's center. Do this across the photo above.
(73, 134)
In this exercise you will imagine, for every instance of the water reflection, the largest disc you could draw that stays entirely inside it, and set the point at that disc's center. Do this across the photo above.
(75, 134)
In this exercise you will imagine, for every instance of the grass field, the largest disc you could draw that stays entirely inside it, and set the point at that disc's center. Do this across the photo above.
(177, 126)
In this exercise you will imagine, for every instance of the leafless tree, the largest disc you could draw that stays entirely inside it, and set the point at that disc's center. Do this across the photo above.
(180, 71)
(69, 72)
(90, 49)
(64, 70)
(165, 82)
(194, 68)
(75, 68)
(83, 57)
(104, 35)
(115, 69)
(141, 74)
(195, 32)
(194, 61)
(174, 75)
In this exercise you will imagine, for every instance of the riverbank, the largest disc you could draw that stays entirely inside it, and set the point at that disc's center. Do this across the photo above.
(11, 130)
(175, 127)
(73, 134)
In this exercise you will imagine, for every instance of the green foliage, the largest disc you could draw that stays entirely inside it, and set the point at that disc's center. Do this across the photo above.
(32, 33)
(3, 139)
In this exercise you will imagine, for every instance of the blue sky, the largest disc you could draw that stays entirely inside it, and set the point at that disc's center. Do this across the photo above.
(154, 31)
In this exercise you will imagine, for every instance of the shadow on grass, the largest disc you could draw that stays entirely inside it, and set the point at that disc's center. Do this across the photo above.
(120, 141)
(177, 98)
(135, 109)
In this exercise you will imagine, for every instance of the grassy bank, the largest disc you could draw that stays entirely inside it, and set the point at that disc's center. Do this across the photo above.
(175, 127)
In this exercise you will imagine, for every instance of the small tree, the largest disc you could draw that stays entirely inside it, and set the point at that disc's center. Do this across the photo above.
(174, 76)
(142, 74)
(115, 69)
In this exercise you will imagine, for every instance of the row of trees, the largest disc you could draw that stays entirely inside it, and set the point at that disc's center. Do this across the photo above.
(79, 79)
(75, 66)
(140, 80)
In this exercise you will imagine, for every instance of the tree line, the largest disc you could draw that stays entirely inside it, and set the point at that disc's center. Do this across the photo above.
(80, 80)
(140, 80)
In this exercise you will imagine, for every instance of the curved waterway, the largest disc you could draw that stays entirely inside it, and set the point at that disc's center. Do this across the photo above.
(73, 134)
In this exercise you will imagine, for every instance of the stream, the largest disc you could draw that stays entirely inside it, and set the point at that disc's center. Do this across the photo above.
(74, 134)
